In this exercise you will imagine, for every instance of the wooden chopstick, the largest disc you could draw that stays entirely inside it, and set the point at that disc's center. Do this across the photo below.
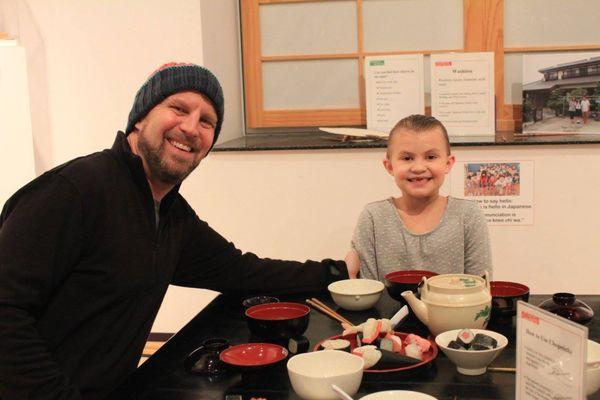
(502, 369)
(319, 306)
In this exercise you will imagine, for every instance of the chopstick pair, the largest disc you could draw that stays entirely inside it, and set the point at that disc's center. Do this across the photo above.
(322, 307)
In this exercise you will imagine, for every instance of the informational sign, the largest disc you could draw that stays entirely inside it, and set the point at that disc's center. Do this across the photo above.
(551, 355)
(503, 189)
(394, 89)
(16, 139)
(462, 92)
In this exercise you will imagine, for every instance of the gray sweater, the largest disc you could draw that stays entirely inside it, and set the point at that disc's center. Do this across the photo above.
(459, 244)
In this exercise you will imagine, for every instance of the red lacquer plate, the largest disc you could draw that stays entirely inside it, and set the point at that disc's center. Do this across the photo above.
(253, 355)
(428, 357)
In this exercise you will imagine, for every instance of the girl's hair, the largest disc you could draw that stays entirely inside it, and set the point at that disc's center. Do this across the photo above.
(418, 123)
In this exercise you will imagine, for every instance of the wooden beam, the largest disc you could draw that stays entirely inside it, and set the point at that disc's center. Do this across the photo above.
(484, 32)
(251, 51)
(320, 117)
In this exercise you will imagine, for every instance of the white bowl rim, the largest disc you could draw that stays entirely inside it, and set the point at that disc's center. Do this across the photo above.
(377, 287)
(313, 353)
(422, 396)
(502, 343)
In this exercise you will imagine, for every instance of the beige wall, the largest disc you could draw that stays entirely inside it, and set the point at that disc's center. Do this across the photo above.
(87, 59)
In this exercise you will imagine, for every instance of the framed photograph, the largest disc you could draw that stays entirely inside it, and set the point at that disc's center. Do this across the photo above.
(561, 93)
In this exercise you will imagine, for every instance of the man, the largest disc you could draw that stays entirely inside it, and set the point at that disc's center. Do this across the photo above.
(585, 109)
(88, 249)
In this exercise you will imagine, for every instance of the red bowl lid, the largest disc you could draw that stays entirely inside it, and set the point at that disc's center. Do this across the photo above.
(277, 311)
(507, 289)
(409, 276)
(253, 354)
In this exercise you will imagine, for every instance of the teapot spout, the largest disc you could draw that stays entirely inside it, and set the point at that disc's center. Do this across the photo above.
(418, 307)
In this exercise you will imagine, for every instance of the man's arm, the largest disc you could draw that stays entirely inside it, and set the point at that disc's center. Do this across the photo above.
(39, 223)
(212, 262)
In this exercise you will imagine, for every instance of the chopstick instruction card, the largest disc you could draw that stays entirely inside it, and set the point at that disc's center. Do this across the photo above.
(551, 355)
(394, 89)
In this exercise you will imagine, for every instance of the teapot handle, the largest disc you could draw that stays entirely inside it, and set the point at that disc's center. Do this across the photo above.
(486, 277)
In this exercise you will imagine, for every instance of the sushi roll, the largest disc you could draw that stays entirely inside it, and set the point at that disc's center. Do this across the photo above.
(336, 344)
(455, 345)
(423, 344)
(365, 353)
(391, 342)
(482, 341)
(371, 330)
(413, 350)
(465, 337)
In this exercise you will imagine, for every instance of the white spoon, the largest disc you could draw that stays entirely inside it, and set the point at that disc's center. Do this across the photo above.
(342, 395)
(399, 317)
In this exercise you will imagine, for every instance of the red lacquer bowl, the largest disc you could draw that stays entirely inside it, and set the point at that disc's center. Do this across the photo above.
(399, 281)
(504, 299)
(252, 356)
(278, 320)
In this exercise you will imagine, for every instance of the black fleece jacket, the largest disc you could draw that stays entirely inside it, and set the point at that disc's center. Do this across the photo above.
(83, 271)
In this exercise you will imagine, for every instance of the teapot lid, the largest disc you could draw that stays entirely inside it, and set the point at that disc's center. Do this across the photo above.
(456, 283)
(456, 290)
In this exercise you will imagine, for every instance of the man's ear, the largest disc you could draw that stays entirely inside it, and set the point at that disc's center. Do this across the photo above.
(387, 164)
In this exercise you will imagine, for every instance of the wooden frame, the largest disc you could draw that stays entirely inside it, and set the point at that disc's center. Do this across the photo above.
(483, 32)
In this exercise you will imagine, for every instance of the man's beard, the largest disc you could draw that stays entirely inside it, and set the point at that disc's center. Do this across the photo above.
(159, 168)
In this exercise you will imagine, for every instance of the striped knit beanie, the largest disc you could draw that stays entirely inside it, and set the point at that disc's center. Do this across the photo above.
(172, 78)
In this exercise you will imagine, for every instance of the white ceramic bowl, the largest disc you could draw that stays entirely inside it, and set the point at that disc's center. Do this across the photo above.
(356, 294)
(470, 362)
(312, 374)
(398, 395)
(592, 367)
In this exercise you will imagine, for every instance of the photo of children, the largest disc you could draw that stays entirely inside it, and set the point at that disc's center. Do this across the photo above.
(492, 179)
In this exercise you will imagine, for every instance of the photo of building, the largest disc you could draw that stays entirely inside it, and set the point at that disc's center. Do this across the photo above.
(565, 98)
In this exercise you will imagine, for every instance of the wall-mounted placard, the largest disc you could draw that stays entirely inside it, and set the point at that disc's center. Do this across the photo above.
(503, 189)
(551, 355)
(394, 86)
(462, 92)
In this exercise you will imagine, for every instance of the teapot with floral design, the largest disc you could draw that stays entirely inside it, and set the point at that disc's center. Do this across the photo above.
(452, 301)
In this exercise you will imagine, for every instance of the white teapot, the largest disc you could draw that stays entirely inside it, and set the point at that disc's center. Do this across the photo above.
(452, 301)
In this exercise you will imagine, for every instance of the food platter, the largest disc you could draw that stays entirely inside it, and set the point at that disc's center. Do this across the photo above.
(428, 356)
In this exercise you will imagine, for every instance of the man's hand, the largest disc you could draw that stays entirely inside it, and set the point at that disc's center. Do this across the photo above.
(353, 264)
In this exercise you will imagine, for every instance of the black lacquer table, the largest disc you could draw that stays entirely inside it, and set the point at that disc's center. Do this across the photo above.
(163, 375)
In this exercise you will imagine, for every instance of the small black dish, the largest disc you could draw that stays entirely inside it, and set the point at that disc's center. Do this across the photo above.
(205, 359)
(256, 300)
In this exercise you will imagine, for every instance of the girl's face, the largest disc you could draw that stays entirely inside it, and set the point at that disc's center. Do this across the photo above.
(419, 162)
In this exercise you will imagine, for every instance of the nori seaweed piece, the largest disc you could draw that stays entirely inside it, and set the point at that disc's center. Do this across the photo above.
(483, 342)
(455, 345)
